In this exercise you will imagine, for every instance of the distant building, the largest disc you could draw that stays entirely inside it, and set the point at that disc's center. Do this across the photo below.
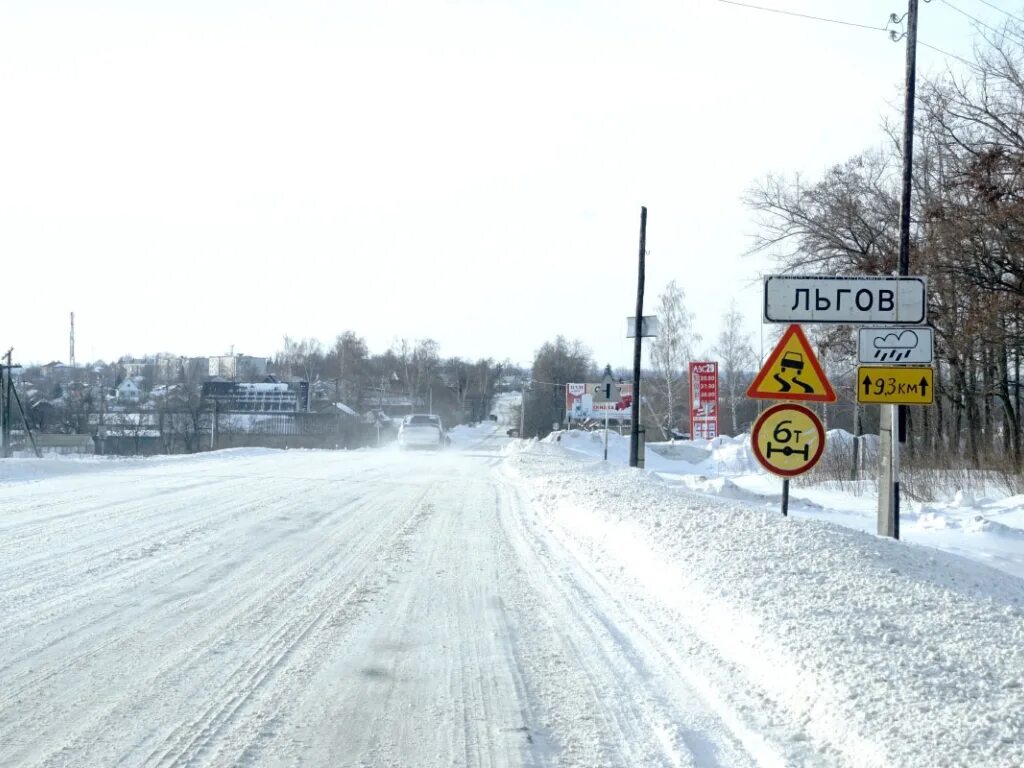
(242, 367)
(130, 390)
(264, 397)
(133, 367)
(167, 368)
(393, 403)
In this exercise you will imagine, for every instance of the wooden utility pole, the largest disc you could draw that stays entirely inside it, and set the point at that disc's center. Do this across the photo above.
(7, 407)
(895, 419)
(634, 434)
(3, 419)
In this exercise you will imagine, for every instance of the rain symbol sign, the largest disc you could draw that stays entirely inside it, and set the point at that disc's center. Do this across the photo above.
(894, 345)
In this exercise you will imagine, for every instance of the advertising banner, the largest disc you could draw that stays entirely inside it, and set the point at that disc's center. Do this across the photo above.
(592, 401)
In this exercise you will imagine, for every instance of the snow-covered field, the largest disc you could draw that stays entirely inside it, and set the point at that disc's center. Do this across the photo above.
(503, 603)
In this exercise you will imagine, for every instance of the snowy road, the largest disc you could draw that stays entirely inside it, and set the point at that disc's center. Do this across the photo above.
(318, 608)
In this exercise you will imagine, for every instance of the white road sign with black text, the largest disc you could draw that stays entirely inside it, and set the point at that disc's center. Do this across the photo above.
(851, 300)
(893, 345)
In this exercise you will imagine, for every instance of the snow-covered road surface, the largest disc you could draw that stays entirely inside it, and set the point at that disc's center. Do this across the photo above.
(317, 608)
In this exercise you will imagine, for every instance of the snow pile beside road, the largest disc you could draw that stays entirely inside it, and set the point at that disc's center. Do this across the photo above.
(985, 529)
(722, 455)
(879, 652)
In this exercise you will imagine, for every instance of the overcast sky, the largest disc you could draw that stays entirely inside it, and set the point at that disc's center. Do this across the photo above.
(194, 175)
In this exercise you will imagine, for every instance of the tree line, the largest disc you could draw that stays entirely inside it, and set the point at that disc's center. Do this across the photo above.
(665, 401)
(345, 371)
(84, 399)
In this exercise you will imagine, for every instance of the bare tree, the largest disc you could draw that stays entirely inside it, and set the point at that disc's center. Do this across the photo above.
(302, 357)
(737, 357)
(670, 353)
(556, 364)
(845, 223)
(349, 360)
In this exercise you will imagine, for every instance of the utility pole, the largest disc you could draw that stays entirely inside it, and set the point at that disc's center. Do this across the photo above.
(634, 434)
(894, 417)
(522, 412)
(3, 420)
(8, 389)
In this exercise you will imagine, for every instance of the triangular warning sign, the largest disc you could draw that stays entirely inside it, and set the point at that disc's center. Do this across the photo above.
(792, 372)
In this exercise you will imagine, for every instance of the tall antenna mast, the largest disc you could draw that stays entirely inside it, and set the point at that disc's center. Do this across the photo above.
(72, 360)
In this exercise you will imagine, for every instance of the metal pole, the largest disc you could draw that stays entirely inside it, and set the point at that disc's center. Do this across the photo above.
(634, 435)
(785, 497)
(606, 435)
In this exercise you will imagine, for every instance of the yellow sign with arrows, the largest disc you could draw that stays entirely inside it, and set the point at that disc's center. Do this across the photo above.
(895, 385)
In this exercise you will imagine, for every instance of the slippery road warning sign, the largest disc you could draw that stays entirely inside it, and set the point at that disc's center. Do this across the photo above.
(788, 439)
(792, 372)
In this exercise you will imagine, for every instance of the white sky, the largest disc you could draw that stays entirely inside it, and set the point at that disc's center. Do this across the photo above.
(190, 175)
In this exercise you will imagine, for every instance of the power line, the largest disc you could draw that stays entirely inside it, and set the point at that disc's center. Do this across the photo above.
(853, 24)
(997, 8)
(975, 19)
(970, 64)
(803, 15)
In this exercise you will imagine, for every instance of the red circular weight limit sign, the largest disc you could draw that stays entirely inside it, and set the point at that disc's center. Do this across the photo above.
(788, 439)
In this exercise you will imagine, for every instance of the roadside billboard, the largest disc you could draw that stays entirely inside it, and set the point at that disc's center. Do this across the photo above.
(593, 400)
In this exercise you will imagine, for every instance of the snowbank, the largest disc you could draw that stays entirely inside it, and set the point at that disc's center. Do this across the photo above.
(887, 654)
(988, 529)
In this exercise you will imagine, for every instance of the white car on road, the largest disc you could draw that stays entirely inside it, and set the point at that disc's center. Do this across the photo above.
(421, 430)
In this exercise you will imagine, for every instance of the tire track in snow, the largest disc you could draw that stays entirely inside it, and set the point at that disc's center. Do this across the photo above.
(190, 741)
(656, 718)
(177, 618)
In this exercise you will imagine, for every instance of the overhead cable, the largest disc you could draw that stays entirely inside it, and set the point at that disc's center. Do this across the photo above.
(894, 35)
(803, 15)
(997, 8)
(975, 19)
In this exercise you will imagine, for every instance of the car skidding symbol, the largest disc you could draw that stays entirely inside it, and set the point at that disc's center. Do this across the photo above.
(792, 361)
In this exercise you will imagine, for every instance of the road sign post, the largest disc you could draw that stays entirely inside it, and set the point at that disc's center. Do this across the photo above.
(900, 303)
(789, 439)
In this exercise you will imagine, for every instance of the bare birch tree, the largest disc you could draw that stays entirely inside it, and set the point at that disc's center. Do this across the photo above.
(670, 352)
(738, 359)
